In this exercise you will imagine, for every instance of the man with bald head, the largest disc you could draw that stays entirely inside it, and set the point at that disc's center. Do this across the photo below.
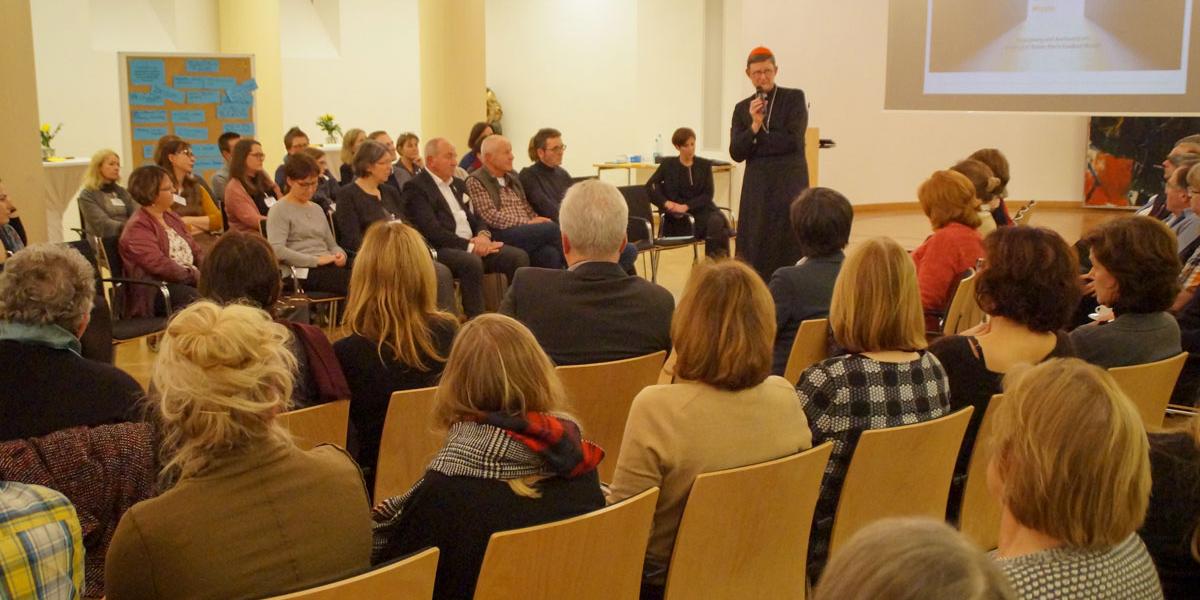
(436, 204)
(498, 197)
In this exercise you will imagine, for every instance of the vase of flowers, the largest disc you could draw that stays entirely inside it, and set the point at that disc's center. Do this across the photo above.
(48, 139)
(330, 127)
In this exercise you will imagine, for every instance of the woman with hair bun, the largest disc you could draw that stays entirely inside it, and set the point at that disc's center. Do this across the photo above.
(248, 514)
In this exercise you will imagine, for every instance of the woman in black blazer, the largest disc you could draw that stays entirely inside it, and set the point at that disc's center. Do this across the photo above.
(683, 185)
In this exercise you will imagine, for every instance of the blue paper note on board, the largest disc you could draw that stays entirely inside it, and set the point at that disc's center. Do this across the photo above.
(206, 151)
(204, 165)
(238, 97)
(187, 116)
(190, 81)
(248, 85)
(205, 97)
(242, 129)
(148, 134)
(201, 65)
(167, 93)
(153, 98)
(147, 71)
(218, 83)
(234, 110)
(148, 151)
(149, 116)
(192, 133)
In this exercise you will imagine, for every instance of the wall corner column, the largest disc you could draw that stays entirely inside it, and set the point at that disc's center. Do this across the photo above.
(453, 68)
(20, 154)
(254, 28)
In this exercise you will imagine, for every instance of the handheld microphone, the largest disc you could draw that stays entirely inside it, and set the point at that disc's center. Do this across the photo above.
(762, 95)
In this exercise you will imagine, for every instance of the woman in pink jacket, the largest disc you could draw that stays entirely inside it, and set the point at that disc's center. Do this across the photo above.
(249, 193)
(155, 245)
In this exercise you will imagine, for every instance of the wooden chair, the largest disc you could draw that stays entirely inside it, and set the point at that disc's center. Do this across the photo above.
(744, 532)
(596, 556)
(667, 373)
(320, 424)
(408, 579)
(407, 443)
(601, 395)
(811, 346)
(979, 513)
(964, 312)
(899, 472)
(1150, 386)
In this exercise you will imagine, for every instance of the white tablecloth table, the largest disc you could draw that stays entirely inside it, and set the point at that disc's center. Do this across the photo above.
(63, 180)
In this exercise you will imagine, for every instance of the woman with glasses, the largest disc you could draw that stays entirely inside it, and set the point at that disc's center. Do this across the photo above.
(194, 199)
(156, 245)
(250, 192)
(299, 233)
(683, 185)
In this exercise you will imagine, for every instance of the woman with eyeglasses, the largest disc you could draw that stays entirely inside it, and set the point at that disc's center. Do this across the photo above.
(155, 245)
(194, 202)
(250, 192)
(299, 233)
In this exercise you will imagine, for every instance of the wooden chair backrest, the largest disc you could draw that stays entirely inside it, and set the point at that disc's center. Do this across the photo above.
(964, 312)
(596, 556)
(811, 346)
(979, 513)
(408, 579)
(1150, 386)
(407, 443)
(899, 472)
(601, 395)
(321, 424)
(667, 373)
(744, 532)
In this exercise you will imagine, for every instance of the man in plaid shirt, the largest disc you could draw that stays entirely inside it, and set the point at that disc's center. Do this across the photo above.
(41, 544)
(497, 197)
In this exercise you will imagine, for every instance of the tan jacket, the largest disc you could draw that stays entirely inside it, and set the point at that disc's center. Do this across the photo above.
(676, 432)
(278, 520)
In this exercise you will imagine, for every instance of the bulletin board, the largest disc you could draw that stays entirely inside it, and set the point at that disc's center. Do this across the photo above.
(194, 96)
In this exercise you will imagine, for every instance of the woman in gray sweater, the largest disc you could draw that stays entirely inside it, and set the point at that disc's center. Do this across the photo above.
(103, 204)
(299, 232)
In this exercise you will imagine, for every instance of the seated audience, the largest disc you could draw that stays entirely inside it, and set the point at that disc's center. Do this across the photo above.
(300, 234)
(594, 311)
(672, 434)
(327, 186)
(998, 163)
(546, 181)
(1187, 387)
(46, 294)
(249, 193)
(877, 563)
(1134, 267)
(984, 184)
(1183, 150)
(351, 140)
(385, 140)
(500, 403)
(242, 269)
(156, 245)
(42, 541)
(948, 199)
(103, 203)
(472, 161)
(409, 164)
(1182, 219)
(294, 141)
(683, 185)
(220, 179)
(498, 197)
(249, 514)
(1029, 290)
(821, 220)
(12, 234)
(1071, 470)
(193, 201)
(366, 200)
(436, 203)
(886, 380)
(1174, 511)
(398, 337)
(1187, 180)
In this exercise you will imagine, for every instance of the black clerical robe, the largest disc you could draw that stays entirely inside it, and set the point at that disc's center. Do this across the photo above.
(776, 172)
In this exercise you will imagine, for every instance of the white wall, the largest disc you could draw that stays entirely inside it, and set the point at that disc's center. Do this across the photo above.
(836, 52)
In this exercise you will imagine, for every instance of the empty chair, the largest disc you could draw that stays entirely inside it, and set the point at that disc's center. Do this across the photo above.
(811, 346)
(979, 512)
(601, 395)
(405, 579)
(321, 424)
(595, 556)
(964, 312)
(910, 466)
(744, 532)
(408, 442)
(1150, 385)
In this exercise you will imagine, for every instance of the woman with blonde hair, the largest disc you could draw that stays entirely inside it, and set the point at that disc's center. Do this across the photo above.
(248, 514)
(103, 203)
(512, 458)
(727, 411)
(350, 143)
(1071, 469)
(912, 559)
(948, 199)
(887, 379)
(398, 337)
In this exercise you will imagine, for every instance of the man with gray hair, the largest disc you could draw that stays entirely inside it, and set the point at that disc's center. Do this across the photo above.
(46, 294)
(594, 311)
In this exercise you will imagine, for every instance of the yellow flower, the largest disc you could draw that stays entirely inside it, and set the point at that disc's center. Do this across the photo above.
(45, 128)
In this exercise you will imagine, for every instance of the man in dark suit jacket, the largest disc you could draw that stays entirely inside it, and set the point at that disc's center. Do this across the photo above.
(436, 204)
(593, 311)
